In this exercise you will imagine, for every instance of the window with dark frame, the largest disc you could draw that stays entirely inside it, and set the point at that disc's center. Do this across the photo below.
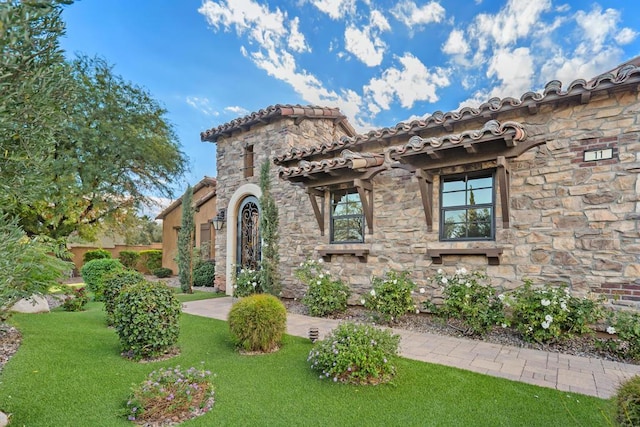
(347, 217)
(467, 207)
(248, 161)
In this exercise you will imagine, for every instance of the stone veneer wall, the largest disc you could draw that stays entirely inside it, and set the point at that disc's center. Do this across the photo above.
(572, 222)
(298, 228)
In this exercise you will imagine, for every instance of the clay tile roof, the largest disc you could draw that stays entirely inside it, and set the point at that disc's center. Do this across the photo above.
(347, 159)
(629, 72)
(274, 112)
(204, 182)
(417, 144)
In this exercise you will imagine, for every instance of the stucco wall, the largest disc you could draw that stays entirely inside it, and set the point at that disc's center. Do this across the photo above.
(171, 225)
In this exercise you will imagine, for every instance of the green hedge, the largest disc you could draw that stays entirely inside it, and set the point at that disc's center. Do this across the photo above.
(150, 260)
(95, 254)
(129, 259)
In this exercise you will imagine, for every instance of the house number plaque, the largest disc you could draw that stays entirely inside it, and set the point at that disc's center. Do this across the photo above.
(594, 155)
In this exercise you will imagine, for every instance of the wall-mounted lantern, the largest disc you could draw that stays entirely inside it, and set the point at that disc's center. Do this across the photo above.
(219, 220)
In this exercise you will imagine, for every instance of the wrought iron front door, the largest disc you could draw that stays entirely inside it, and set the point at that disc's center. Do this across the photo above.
(249, 245)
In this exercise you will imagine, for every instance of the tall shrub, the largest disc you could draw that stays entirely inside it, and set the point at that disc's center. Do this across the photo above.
(185, 243)
(270, 277)
(96, 271)
(146, 318)
(113, 285)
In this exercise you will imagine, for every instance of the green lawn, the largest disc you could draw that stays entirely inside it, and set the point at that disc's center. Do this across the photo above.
(196, 295)
(68, 372)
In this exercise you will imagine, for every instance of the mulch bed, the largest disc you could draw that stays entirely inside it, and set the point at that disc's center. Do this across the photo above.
(585, 346)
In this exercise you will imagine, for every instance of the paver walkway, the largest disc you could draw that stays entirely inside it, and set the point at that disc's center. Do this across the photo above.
(594, 377)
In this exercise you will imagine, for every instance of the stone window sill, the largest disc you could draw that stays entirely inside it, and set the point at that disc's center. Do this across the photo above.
(492, 254)
(359, 251)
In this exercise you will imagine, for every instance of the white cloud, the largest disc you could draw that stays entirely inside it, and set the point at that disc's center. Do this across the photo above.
(567, 69)
(626, 36)
(597, 26)
(296, 40)
(411, 83)
(515, 71)
(274, 55)
(366, 43)
(265, 27)
(239, 111)
(336, 9)
(201, 104)
(411, 15)
(456, 43)
(518, 19)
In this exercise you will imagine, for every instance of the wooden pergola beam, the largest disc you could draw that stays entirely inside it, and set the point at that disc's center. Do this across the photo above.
(425, 183)
(503, 184)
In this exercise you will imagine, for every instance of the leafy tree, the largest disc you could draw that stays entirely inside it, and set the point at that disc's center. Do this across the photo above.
(141, 231)
(185, 242)
(80, 146)
(36, 88)
(118, 149)
(269, 275)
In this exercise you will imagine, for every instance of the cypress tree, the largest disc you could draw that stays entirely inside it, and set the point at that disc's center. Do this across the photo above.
(269, 275)
(185, 243)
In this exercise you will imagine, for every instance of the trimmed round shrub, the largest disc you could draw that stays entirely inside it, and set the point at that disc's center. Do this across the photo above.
(628, 402)
(357, 354)
(96, 271)
(162, 272)
(129, 259)
(113, 285)
(95, 254)
(258, 322)
(146, 319)
(204, 273)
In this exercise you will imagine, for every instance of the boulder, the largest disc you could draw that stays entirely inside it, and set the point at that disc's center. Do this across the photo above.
(4, 420)
(35, 304)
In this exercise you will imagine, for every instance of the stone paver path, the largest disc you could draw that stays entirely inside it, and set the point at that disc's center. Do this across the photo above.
(594, 377)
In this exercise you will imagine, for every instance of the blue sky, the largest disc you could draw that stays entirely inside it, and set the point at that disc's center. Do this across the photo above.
(381, 62)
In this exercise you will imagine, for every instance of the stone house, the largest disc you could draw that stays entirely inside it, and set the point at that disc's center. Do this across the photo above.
(543, 187)
(204, 202)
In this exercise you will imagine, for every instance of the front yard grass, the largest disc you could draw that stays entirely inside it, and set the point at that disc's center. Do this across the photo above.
(68, 372)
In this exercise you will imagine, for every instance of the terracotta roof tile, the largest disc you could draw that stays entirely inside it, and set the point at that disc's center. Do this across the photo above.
(417, 144)
(204, 182)
(581, 89)
(347, 159)
(277, 111)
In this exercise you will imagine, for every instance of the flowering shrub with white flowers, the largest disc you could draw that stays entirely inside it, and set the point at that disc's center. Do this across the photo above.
(356, 354)
(170, 394)
(391, 296)
(626, 326)
(324, 295)
(549, 313)
(470, 298)
(247, 283)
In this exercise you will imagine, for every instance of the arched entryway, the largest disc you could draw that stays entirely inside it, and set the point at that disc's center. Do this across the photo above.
(248, 245)
(245, 193)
